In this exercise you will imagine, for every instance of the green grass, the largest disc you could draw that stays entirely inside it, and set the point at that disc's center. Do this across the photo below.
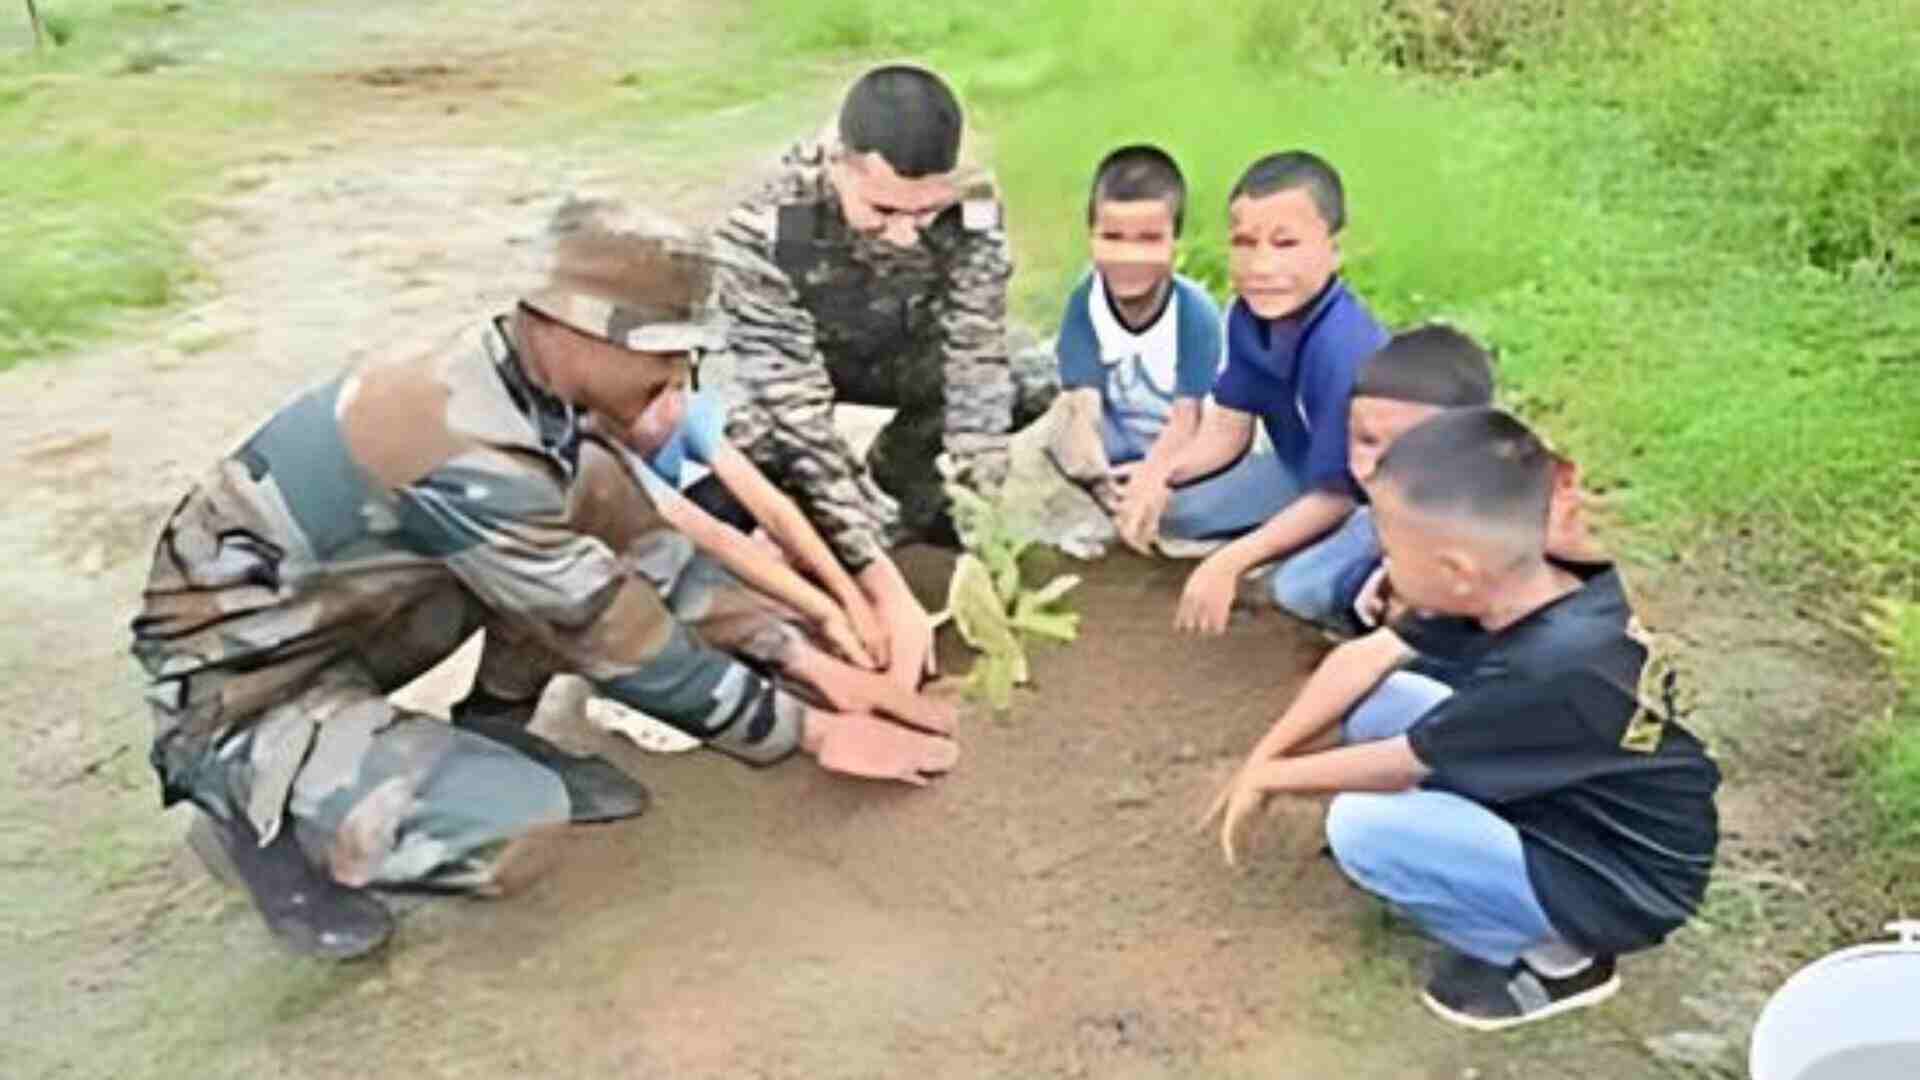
(116, 136)
(106, 133)
(1893, 745)
(85, 235)
(1690, 229)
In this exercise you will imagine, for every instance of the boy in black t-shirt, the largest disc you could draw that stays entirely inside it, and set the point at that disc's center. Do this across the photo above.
(1545, 814)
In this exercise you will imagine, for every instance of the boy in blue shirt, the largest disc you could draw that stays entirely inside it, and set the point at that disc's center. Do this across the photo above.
(1139, 349)
(1546, 811)
(1295, 336)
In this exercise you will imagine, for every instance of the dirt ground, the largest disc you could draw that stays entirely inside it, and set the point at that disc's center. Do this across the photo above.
(1048, 910)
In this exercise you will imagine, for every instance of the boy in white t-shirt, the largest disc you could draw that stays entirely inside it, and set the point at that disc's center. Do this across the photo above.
(1138, 350)
(680, 442)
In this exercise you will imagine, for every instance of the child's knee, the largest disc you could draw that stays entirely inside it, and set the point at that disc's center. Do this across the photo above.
(1364, 829)
(1298, 588)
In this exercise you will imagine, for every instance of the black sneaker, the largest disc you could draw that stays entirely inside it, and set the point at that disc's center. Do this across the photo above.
(1481, 996)
(481, 707)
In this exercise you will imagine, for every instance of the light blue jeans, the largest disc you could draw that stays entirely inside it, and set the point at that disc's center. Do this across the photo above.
(1229, 503)
(1452, 866)
(1308, 584)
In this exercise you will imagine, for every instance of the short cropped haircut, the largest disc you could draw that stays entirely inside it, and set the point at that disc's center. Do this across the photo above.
(1431, 364)
(907, 115)
(1139, 172)
(1294, 170)
(1479, 467)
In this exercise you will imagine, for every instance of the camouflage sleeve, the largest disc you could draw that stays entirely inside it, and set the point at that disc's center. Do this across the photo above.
(784, 420)
(499, 522)
(973, 329)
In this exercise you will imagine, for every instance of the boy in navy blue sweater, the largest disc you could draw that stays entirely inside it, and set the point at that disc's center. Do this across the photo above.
(1295, 336)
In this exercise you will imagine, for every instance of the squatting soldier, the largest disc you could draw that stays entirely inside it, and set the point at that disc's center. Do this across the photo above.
(370, 526)
(871, 271)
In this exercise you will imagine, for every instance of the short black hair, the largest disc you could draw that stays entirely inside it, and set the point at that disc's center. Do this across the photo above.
(1431, 364)
(907, 115)
(1480, 467)
(1139, 171)
(1296, 169)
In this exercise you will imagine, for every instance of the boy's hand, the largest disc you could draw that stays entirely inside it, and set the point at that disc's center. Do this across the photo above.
(1144, 501)
(1220, 800)
(1371, 604)
(1244, 799)
(859, 745)
(1208, 597)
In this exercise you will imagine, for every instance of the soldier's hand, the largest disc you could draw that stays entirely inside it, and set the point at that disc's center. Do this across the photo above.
(840, 635)
(850, 690)
(869, 629)
(911, 649)
(909, 629)
(859, 745)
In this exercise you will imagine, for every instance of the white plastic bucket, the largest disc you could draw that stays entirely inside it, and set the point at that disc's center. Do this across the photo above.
(1854, 1015)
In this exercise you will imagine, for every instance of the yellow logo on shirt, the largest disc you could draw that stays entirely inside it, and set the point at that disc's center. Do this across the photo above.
(1657, 695)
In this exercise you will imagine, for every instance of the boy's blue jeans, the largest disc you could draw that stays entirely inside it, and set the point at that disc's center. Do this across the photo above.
(1313, 584)
(1229, 503)
(1452, 866)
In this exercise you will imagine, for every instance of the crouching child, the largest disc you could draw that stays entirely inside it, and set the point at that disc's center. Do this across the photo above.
(1545, 814)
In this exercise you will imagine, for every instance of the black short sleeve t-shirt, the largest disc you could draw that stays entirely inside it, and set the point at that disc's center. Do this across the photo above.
(1565, 725)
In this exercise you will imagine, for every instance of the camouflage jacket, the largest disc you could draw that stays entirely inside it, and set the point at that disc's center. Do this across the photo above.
(820, 314)
(322, 537)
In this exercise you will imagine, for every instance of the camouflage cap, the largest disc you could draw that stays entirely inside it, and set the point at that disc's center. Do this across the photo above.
(631, 277)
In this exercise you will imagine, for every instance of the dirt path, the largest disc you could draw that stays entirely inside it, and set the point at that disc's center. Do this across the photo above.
(1047, 910)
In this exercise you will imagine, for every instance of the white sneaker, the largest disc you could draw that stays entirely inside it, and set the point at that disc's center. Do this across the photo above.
(653, 736)
(1175, 548)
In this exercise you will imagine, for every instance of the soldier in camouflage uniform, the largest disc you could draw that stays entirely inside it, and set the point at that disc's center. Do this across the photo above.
(372, 524)
(869, 271)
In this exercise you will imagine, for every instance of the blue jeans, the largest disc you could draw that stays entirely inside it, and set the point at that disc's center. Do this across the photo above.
(1313, 583)
(1229, 503)
(1452, 866)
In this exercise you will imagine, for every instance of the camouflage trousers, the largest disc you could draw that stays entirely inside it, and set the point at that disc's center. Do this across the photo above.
(377, 794)
(904, 454)
(384, 796)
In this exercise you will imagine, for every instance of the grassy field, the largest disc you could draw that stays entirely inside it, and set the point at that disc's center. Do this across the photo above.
(1690, 229)
(118, 131)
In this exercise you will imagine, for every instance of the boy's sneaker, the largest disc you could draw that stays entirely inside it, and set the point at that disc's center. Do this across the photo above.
(1484, 997)
(1174, 547)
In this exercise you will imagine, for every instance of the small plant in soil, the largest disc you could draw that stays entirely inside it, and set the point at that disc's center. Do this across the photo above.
(995, 612)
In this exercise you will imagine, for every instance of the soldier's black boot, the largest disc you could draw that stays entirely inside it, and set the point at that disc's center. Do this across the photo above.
(308, 912)
(596, 789)
(902, 460)
(481, 705)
